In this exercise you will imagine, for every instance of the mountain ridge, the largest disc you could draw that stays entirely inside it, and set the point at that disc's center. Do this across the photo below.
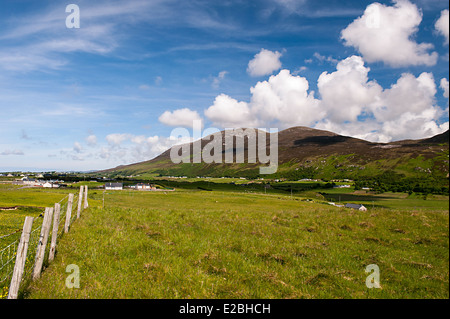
(307, 149)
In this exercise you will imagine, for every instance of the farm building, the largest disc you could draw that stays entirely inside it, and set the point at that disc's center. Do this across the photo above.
(356, 206)
(50, 185)
(147, 187)
(113, 186)
(29, 181)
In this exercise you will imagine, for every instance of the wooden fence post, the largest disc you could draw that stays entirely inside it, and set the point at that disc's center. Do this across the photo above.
(80, 201)
(21, 258)
(56, 214)
(86, 205)
(42, 244)
(68, 213)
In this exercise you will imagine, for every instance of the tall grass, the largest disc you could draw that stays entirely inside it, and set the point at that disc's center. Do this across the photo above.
(194, 244)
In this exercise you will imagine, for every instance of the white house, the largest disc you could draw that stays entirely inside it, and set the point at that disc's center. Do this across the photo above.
(50, 185)
(113, 186)
(29, 181)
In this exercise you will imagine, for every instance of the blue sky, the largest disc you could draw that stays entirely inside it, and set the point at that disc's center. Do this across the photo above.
(111, 91)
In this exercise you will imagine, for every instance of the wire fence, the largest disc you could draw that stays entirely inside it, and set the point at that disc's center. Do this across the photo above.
(9, 251)
(7, 255)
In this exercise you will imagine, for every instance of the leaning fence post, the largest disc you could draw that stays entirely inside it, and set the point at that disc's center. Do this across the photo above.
(68, 213)
(86, 205)
(42, 244)
(80, 200)
(51, 254)
(21, 258)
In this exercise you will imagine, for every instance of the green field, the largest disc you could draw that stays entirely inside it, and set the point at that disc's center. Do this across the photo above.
(191, 243)
(199, 244)
(29, 202)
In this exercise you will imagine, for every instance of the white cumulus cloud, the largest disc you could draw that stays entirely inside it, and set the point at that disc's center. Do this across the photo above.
(227, 112)
(408, 110)
(385, 33)
(77, 147)
(116, 139)
(182, 117)
(442, 25)
(444, 87)
(349, 103)
(91, 140)
(409, 95)
(264, 63)
(347, 92)
(284, 100)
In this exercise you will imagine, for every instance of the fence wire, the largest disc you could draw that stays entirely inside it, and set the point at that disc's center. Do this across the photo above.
(7, 255)
(9, 251)
(8, 235)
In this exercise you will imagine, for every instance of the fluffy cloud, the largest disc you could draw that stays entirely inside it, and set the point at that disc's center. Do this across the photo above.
(347, 92)
(444, 87)
(91, 140)
(229, 113)
(384, 33)
(409, 95)
(442, 25)
(181, 117)
(284, 100)
(123, 148)
(264, 63)
(412, 126)
(144, 148)
(405, 110)
(408, 110)
(77, 147)
(349, 104)
(116, 139)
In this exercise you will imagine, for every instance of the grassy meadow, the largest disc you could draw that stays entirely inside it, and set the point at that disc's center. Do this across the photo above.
(29, 202)
(221, 244)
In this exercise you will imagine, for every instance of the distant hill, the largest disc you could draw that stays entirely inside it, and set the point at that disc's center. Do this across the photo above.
(310, 153)
(438, 139)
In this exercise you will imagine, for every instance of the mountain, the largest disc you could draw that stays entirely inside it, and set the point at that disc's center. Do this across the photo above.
(310, 153)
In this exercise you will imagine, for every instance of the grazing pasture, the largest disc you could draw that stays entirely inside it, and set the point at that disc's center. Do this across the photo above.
(213, 244)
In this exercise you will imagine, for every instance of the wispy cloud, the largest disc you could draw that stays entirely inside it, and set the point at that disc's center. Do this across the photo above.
(24, 135)
(315, 9)
(61, 109)
(12, 152)
(41, 40)
(218, 79)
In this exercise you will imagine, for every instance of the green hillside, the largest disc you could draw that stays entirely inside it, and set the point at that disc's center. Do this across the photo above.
(314, 154)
